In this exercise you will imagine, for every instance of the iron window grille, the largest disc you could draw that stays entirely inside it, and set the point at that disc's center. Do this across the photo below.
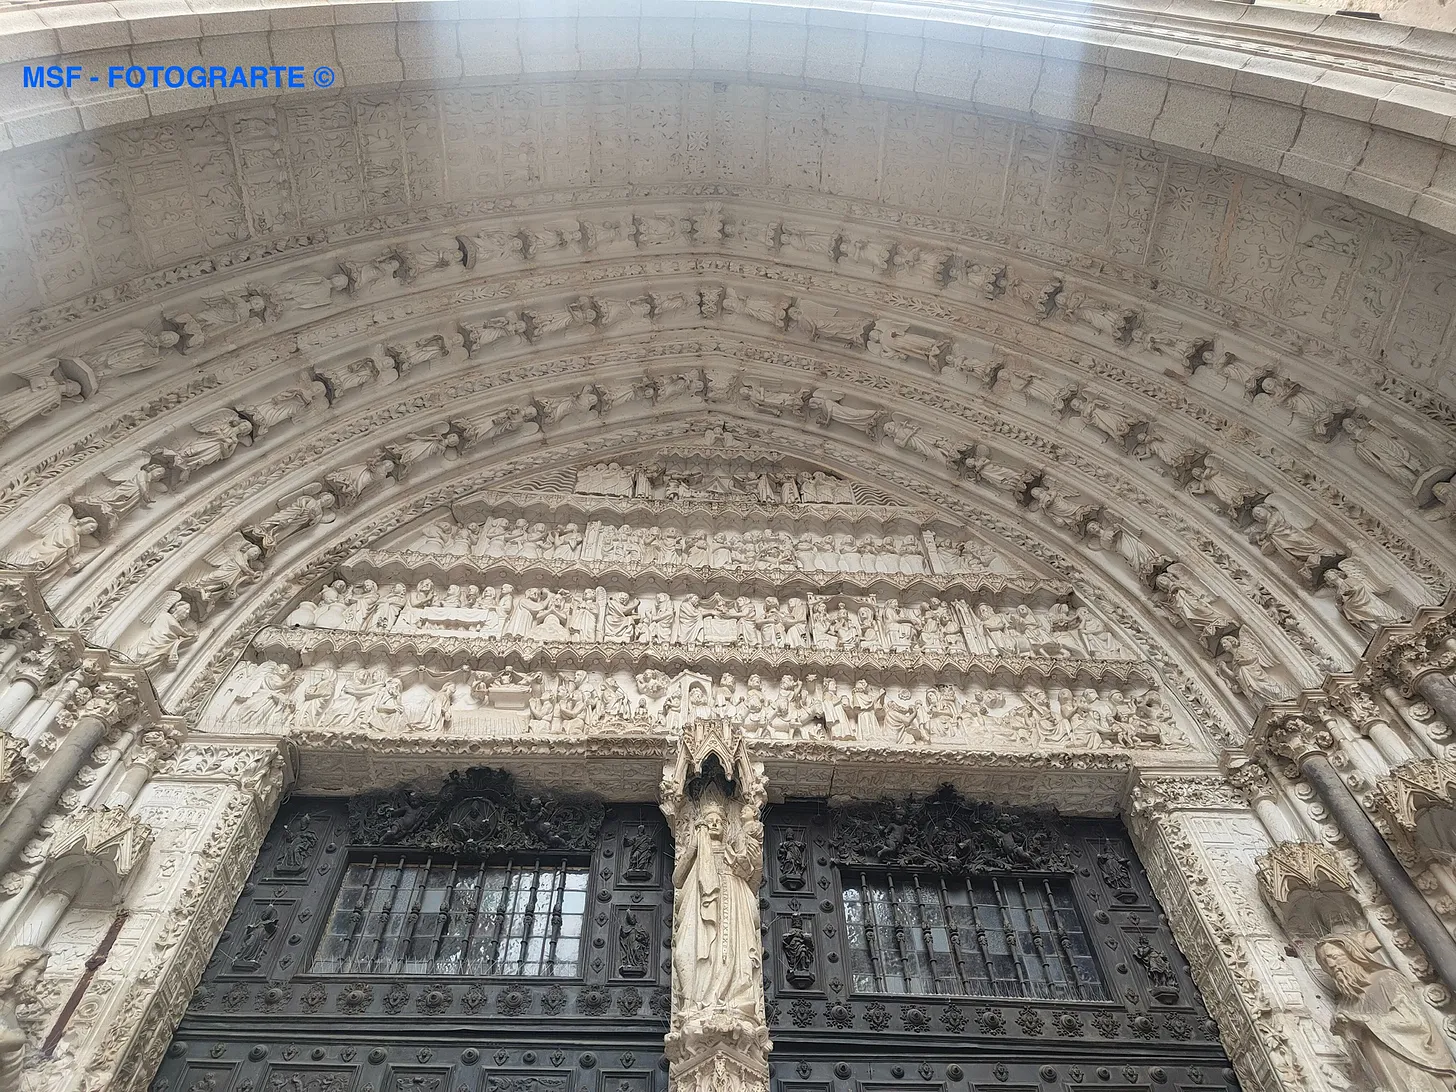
(453, 917)
(978, 936)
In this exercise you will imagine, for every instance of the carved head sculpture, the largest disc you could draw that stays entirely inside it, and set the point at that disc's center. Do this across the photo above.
(20, 968)
(1348, 963)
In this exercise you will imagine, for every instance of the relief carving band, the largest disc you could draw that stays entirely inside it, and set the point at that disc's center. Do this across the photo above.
(272, 697)
(666, 546)
(917, 623)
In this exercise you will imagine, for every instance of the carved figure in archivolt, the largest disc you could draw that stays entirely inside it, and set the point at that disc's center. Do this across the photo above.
(20, 970)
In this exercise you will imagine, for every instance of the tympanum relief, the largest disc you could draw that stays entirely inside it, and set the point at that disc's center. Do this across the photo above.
(351, 696)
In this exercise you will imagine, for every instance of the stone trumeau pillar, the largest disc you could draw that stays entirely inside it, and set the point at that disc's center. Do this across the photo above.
(713, 796)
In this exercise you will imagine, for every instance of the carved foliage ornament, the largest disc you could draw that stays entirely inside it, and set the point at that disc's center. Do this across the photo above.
(477, 812)
(946, 833)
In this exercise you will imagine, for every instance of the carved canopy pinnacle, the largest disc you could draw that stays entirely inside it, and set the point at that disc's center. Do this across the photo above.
(1296, 738)
(1414, 787)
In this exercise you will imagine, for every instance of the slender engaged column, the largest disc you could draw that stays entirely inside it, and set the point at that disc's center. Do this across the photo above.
(1440, 694)
(105, 708)
(14, 699)
(1300, 742)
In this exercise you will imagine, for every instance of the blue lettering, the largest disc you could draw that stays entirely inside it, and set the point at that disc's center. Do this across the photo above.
(239, 79)
(217, 76)
(73, 73)
(257, 76)
(114, 73)
(135, 77)
(295, 76)
(197, 76)
(280, 73)
(32, 76)
(167, 75)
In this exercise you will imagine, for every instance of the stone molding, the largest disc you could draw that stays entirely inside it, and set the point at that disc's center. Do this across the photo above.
(1235, 63)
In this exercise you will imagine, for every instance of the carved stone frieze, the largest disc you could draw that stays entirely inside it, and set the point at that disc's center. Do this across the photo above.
(469, 702)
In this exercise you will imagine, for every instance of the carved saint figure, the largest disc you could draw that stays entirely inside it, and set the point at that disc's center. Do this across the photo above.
(130, 351)
(1377, 446)
(58, 537)
(716, 945)
(256, 935)
(20, 971)
(1383, 1021)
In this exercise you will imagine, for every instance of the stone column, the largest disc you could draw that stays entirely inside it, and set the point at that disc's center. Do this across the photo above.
(105, 708)
(1304, 744)
(713, 796)
(39, 668)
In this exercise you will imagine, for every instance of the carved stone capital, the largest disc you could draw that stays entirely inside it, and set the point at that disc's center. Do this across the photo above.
(103, 846)
(1403, 661)
(46, 663)
(1248, 775)
(111, 701)
(13, 766)
(1296, 738)
(1415, 790)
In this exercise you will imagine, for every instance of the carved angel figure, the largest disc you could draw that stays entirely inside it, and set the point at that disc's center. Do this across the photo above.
(1383, 1021)
(678, 385)
(219, 435)
(540, 240)
(553, 411)
(579, 312)
(828, 408)
(1114, 322)
(349, 483)
(1245, 665)
(1319, 415)
(1178, 455)
(1231, 493)
(1358, 595)
(894, 341)
(871, 253)
(482, 335)
(770, 312)
(302, 293)
(502, 423)
(1377, 446)
(130, 351)
(980, 467)
(1040, 298)
(775, 402)
(636, 389)
(419, 353)
(282, 408)
(614, 312)
(233, 566)
(419, 446)
(659, 229)
(427, 256)
(1062, 508)
(1191, 606)
(1107, 417)
(829, 324)
(339, 379)
(44, 388)
(56, 541)
(808, 241)
(491, 246)
(215, 317)
(298, 515)
(133, 483)
(363, 276)
(1035, 387)
(911, 436)
(1277, 534)
(168, 631)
